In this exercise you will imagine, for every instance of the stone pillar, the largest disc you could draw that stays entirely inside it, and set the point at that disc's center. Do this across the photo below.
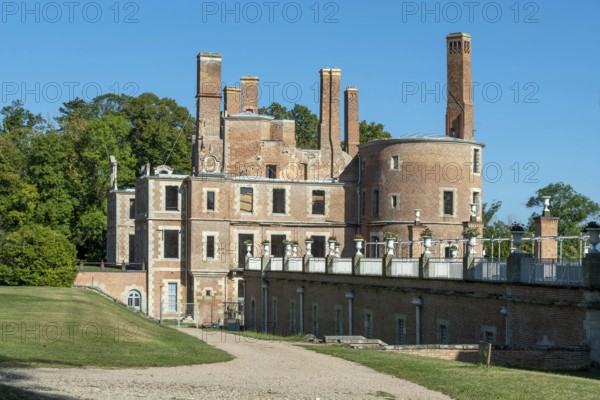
(414, 234)
(545, 226)
(591, 271)
(479, 226)
(513, 266)
(300, 291)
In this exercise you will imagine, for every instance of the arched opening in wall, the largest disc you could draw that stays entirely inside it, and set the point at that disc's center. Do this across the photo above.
(134, 300)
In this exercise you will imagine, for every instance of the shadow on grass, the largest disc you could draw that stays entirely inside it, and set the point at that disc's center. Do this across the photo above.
(10, 362)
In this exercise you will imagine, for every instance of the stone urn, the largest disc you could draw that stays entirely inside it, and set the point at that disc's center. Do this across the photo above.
(294, 249)
(358, 243)
(472, 242)
(248, 249)
(389, 244)
(427, 244)
(266, 246)
(288, 249)
(517, 233)
(331, 247)
(308, 244)
(594, 238)
(453, 252)
(336, 250)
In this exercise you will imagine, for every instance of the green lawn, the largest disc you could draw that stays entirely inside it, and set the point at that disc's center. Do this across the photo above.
(461, 380)
(68, 327)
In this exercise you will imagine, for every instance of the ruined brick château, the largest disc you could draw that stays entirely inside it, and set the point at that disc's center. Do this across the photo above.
(251, 182)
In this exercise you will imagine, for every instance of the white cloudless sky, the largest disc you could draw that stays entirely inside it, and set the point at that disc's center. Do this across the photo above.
(536, 68)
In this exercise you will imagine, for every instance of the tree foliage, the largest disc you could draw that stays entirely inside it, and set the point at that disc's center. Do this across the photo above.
(35, 255)
(372, 131)
(58, 176)
(573, 208)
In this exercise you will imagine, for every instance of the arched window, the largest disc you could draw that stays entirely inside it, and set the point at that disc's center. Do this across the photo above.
(134, 300)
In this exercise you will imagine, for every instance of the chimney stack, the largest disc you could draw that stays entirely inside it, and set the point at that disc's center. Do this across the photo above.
(207, 139)
(459, 111)
(329, 128)
(351, 125)
(208, 94)
(249, 93)
(232, 100)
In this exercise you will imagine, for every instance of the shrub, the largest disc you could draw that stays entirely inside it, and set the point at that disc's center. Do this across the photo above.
(37, 256)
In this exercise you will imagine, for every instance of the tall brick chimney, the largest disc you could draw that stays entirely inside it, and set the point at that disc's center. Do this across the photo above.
(208, 110)
(249, 93)
(351, 125)
(459, 111)
(329, 128)
(208, 94)
(232, 100)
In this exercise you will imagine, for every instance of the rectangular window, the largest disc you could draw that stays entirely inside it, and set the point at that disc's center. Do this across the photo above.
(443, 333)
(368, 325)
(394, 201)
(401, 331)
(318, 202)
(476, 167)
(271, 171)
(292, 316)
(172, 297)
(278, 201)
(210, 201)
(315, 319)
(131, 208)
(277, 247)
(246, 199)
(395, 162)
(448, 202)
(375, 203)
(339, 324)
(171, 198)
(476, 198)
(318, 247)
(171, 242)
(210, 247)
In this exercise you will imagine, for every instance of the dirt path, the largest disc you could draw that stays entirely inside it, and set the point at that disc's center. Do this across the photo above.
(261, 370)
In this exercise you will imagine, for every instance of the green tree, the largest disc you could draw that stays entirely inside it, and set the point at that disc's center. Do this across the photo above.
(372, 131)
(36, 255)
(160, 131)
(307, 127)
(573, 208)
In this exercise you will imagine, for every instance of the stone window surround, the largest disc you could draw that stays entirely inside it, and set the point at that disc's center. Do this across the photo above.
(165, 294)
(205, 191)
(439, 323)
(441, 209)
(238, 196)
(161, 230)
(473, 148)
(270, 188)
(205, 235)
(310, 198)
(400, 317)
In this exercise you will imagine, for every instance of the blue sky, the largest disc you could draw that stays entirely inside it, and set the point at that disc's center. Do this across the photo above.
(536, 67)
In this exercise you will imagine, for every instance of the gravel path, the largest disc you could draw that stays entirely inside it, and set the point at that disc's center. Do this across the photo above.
(260, 370)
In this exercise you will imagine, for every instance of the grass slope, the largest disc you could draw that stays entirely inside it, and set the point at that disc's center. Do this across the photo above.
(472, 381)
(67, 327)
